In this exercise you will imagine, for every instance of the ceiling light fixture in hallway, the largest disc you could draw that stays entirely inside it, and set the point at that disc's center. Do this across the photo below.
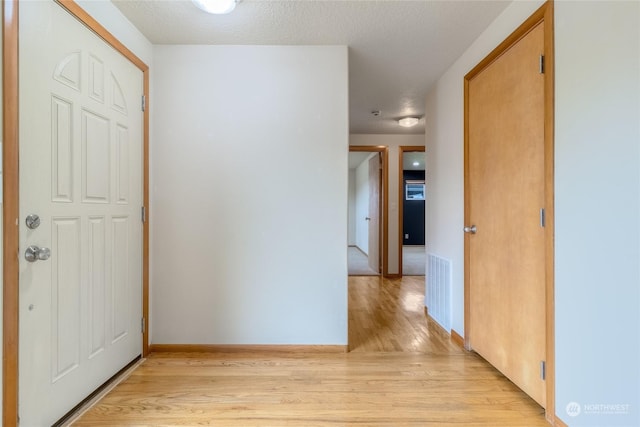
(216, 6)
(408, 122)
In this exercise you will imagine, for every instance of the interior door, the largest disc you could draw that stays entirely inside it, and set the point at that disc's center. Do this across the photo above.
(506, 192)
(374, 212)
(81, 136)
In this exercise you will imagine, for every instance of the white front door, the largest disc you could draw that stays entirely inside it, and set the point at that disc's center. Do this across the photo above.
(81, 138)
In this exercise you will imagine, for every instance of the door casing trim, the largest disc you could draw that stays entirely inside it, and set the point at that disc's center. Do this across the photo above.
(10, 309)
(10, 207)
(543, 14)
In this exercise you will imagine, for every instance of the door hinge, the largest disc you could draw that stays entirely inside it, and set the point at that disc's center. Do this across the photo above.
(144, 102)
(543, 220)
(143, 214)
(541, 64)
(543, 370)
(143, 325)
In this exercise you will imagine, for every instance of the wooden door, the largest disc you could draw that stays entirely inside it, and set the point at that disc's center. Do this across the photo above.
(81, 139)
(374, 212)
(505, 172)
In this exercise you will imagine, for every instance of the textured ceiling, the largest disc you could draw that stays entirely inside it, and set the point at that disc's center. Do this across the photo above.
(397, 49)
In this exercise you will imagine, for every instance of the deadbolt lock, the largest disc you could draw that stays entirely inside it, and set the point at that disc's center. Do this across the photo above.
(33, 221)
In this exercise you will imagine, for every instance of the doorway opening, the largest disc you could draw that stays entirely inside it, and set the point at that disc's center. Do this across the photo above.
(411, 212)
(367, 212)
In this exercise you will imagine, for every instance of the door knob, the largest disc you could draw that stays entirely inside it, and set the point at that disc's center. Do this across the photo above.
(471, 229)
(367, 219)
(34, 253)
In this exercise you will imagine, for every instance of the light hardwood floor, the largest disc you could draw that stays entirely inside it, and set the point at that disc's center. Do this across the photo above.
(402, 371)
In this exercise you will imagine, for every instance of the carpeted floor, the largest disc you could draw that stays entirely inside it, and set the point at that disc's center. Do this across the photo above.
(358, 263)
(414, 261)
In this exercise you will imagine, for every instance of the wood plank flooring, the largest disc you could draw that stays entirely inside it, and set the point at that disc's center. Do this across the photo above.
(389, 315)
(402, 371)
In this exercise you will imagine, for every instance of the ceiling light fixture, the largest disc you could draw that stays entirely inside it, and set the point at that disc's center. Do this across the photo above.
(216, 6)
(408, 122)
(416, 163)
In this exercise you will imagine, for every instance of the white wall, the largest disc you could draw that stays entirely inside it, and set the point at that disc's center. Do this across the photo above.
(362, 206)
(597, 190)
(351, 214)
(445, 157)
(393, 142)
(249, 195)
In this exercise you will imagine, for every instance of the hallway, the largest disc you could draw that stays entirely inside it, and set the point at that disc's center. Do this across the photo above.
(402, 371)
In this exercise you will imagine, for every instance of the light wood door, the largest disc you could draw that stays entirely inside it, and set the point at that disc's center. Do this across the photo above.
(374, 212)
(506, 192)
(81, 139)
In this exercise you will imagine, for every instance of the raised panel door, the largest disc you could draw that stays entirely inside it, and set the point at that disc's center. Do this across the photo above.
(81, 139)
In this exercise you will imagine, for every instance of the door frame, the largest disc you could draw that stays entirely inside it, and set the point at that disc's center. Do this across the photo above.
(543, 14)
(11, 188)
(383, 240)
(406, 149)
